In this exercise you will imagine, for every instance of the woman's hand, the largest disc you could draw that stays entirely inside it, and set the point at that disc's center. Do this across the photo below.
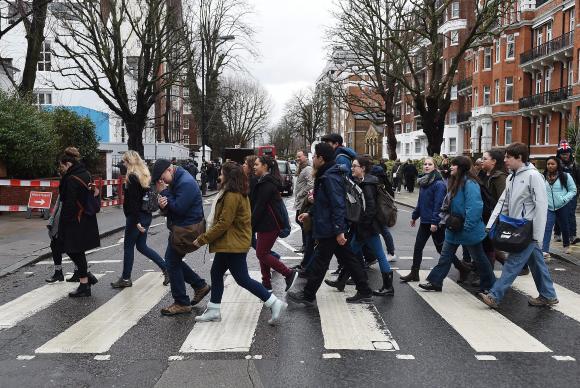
(303, 216)
(141, 228)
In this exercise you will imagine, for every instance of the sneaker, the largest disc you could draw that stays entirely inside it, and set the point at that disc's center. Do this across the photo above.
(546, 255)
(393, 258)
(541, 301)
(211, 314)
(290, 279)
(175, 309)
(278, 309)
(298, 297)
(567, 250)
(200, 293)
(360, 298)
(557, 238)
(122, 283)
(488, 300)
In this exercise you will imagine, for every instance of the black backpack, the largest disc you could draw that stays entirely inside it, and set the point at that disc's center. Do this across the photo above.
(489, 202)
(386, 208)
(150, 204)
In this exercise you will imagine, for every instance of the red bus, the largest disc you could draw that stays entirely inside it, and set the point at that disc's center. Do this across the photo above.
(269, 150)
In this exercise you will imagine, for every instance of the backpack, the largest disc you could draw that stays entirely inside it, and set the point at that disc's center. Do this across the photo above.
(386, 208)
(355, 200)
(90, 205)
(150, 204)
(284, 223)
(489, 202)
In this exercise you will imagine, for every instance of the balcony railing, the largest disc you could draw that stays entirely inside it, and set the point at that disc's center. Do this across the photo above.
(463, 117)
(557, 44)
(540, 2)
(546, 98)
(464, 83)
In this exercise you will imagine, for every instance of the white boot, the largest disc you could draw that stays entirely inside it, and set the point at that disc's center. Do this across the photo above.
(277, 307)
(211, 313)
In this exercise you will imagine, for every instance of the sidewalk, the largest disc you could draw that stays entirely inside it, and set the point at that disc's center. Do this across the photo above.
(556, 249)
(25, 241)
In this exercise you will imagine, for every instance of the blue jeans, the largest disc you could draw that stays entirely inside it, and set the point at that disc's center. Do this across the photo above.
(562, 216)
(486, 276)
(134, 238)
(374, 243)
(179, 274)
(512, 267)
(236, 263)
(389, 243)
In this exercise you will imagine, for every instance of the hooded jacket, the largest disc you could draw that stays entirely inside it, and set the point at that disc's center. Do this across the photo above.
(558, 195)
(468, 204)
(184, 202)
(524, 197)
(571, 167)
(344, 156)
(265, 217)
(329, 209)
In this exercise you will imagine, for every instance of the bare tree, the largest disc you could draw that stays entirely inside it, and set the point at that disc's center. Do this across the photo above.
(125, 51)
(246, 108)
(308, 110)
(283, 134)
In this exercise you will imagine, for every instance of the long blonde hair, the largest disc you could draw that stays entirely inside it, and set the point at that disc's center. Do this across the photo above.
(136, 165)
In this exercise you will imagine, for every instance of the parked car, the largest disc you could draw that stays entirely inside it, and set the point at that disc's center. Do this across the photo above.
(287, 176)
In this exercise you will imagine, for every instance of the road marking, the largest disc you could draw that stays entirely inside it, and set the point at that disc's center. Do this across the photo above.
(34, 301)
(235, 333)
(351, 326)
(330, 355)
(287, 246)
(463, 311)
(485, 357)
(98, 331)
(563, 358)
(104, 261)
(102, 357)
(569, 301)
(560, 269)
(405, 357)
(291, 257)
(24, 357)
(411, 258)
(175, 358)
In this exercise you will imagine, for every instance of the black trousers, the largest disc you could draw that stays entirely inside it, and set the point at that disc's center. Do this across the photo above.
(423, 234)
(325, 249)
(56, 250)
(80, 260)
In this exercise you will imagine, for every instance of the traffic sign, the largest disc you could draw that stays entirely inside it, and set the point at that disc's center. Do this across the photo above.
(40, 200)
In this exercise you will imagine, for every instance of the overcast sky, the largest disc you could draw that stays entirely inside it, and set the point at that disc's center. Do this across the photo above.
(291, 45)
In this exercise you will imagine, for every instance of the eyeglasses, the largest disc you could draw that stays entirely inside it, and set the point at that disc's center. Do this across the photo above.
(355, 165)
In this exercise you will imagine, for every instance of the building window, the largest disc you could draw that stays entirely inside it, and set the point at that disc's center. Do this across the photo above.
(572, 25)
(496, 127)
(486, 96)
(538, 129)
(44, 57)
(487, 58)
(452, 145)
(508, 132)
(408, 108)
(475, 97)
(548, 32)
(497, 50)
(397, 129)
(570, 72)
(444, 66)
(496, 92)
(539, 38)
(547, 121)
(407, 128)
(476, 62)
(418, 147)
(452, 118)
(407, 148)
(43, 98)
(538, 83)
(454, 38)
(510, 47)
(455, 10)
(454, 92)
(547, 79)
(509, 89)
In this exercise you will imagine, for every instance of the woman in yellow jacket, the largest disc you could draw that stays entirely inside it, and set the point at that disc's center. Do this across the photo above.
(229, 235)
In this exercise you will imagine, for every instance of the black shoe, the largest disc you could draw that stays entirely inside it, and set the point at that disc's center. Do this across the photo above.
(413, 276)
(92, 279)
(122, 283)
(525, 271)
(298, 267)
(56, 277)
(299, 250)
(430, 287)
(74, 278)
(165, 277)
(360, 298)
(370, 262)
(335, 284)
(290, 279)
(298, 297)
(84, 289)
(337, 272)
(387, 289)
(350, 282)
(575, 241)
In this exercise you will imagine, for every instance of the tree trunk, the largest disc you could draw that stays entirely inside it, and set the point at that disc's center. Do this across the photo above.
(390, 134)
(35, 38)
(135, 140)
(433, 128)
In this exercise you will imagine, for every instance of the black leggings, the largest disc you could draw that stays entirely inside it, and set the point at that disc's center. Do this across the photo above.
(80, 260)
(56, 250)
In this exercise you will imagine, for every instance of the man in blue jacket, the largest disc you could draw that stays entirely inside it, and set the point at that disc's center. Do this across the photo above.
(342, 155)
(180, 198)
(329, 227)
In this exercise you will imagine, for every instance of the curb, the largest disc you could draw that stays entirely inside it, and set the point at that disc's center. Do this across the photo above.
(564, 257)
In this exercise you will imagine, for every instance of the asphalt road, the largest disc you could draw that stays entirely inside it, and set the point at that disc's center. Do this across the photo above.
(431, 340)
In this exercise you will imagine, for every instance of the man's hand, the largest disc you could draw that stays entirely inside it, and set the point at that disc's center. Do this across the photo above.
(412, 223)
(433, 228)
(160, 186)
(162, 201)
(141, 228)
(340, 239)
(303, 216)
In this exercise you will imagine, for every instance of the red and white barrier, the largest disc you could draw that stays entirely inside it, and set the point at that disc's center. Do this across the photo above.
(28, 183)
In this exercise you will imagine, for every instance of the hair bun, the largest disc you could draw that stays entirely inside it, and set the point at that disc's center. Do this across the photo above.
(72, 152)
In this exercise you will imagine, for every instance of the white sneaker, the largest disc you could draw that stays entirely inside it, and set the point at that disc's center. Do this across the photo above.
(212, 313)
(567, 250)
(546, 255)
(277, 307)
(393, 258)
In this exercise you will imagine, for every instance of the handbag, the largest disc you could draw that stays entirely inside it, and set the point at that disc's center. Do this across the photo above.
(510, 234)
(454, 223)
(182, 237)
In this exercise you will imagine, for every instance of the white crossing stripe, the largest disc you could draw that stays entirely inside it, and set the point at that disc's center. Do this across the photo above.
(411, 258)
(485, 357)
(351, 326)
(569, 301)
(286, 245)
(563, 358)
(34, 301)
(235, 333)
(485, 330)
(98, 331)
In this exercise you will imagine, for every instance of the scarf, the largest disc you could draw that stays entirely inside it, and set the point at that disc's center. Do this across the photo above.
(445, 209)
(211, 220)
(426, 179)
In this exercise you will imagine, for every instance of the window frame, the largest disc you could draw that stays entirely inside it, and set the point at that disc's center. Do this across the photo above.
(510, 87)
(510, 47)
(505, 127)
(487, 58)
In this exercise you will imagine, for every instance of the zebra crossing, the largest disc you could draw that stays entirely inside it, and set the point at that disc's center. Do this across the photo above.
(343, 327)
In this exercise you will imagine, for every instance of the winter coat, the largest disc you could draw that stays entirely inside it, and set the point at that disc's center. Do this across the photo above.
(77, 231)
(368, 225)
(231, 229)
(304, 183)
(266, 194)
(525, 196)
(429, 202)
(410, 172)
(184, 202)
(132, 197)
(381, 173)
(344, 156)
(468, 204)
(495, 183)
(571, 167)
(558, 195)
(329, 209)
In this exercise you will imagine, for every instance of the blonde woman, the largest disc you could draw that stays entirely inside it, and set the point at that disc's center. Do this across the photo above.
(137, 182)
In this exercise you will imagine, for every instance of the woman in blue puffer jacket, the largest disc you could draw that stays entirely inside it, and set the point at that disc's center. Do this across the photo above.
(561, 190)
(463, 208)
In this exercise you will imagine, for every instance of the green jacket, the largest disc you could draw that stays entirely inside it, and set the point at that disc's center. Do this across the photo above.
(231, 231)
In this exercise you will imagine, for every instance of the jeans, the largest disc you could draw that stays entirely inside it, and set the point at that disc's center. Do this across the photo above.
(513, 266)
(236, 263)
(486, 276)
(389, 243)
(264, 243)
(572, 215)
(423, 234)
(562, 215)
(323, 253)
(179, 274)
(374, 243)
(134, 238)
(308, 251)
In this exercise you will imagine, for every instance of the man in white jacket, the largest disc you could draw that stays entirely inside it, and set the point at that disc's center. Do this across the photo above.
(524, 197)
(304, 183)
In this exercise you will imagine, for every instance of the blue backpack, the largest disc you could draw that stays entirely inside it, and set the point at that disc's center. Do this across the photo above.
(284, 223)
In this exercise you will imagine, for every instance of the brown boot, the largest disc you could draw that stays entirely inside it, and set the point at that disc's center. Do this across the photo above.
(413, 276)
(175, 309)
(200, 293)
